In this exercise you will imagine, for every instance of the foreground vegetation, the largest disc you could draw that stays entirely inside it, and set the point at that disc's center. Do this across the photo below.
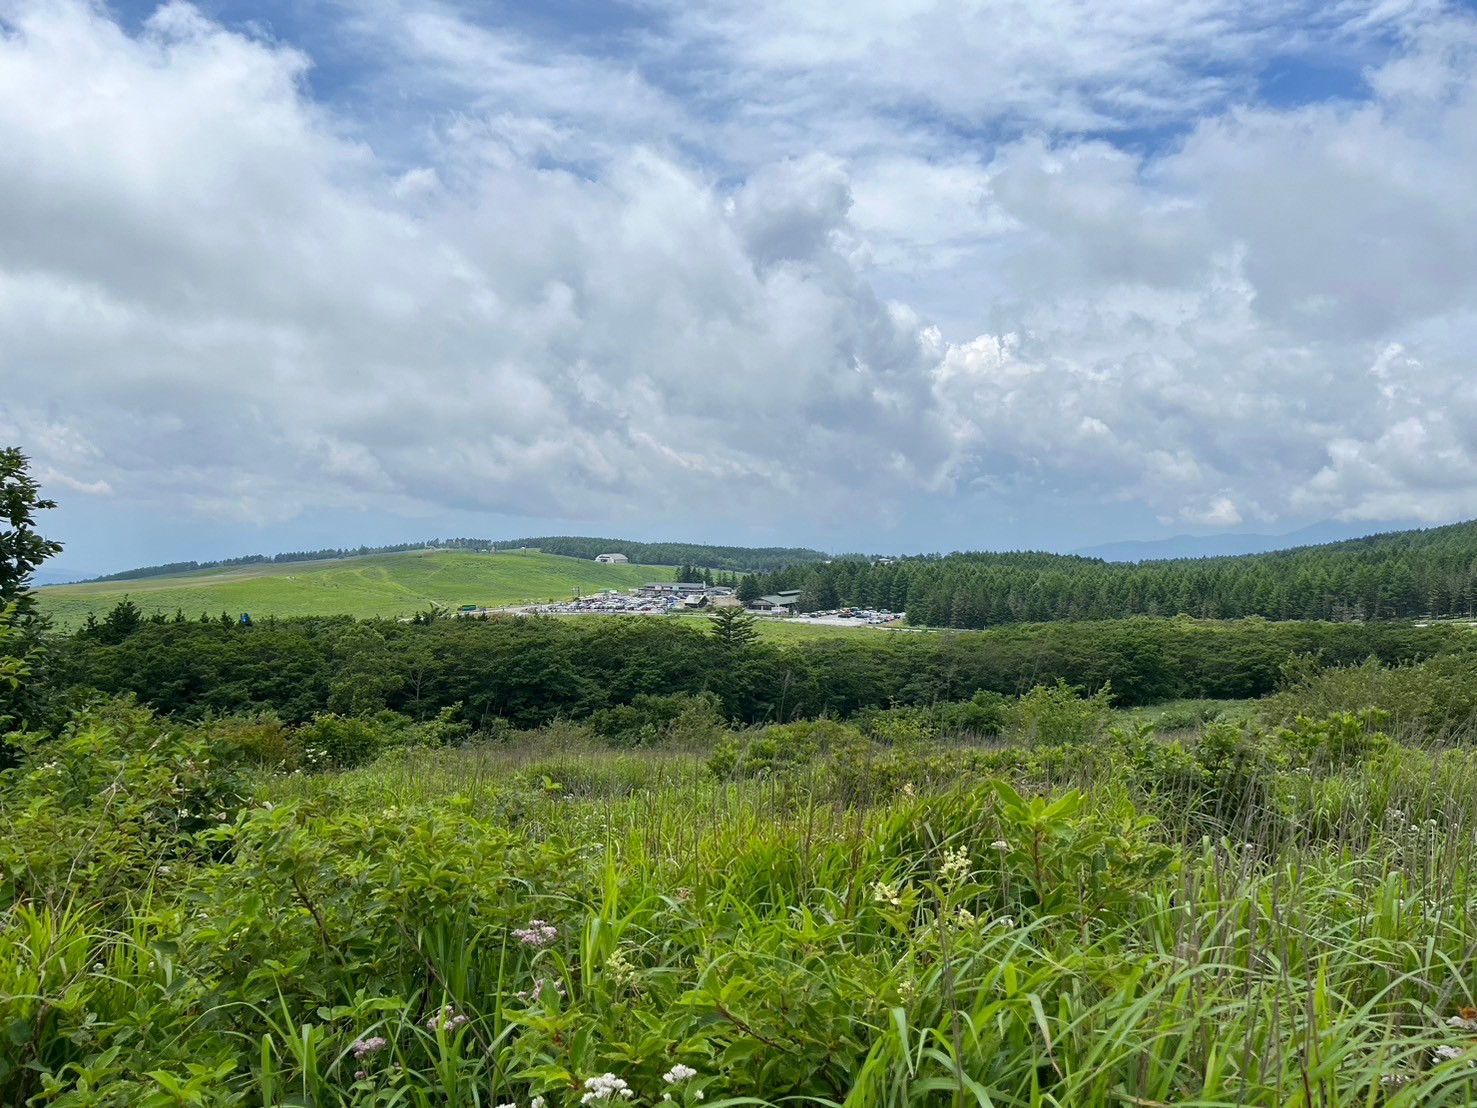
(388, 585)
(813, 913)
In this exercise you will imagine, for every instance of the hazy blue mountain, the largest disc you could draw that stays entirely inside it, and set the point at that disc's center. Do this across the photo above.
(1213, 546)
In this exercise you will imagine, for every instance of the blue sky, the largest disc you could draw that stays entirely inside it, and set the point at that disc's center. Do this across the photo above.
(883, 276)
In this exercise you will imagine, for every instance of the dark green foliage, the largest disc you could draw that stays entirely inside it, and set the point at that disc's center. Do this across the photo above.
(650, 719)
(733, 628)
(22, 550)
(522, 672)
(1395, 576)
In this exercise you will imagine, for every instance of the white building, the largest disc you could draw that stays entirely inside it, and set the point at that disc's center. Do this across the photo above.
(612, 559)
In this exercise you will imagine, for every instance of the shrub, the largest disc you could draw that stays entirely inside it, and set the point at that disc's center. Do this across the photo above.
(259, 740)
(1436, 698)
(93, 812)
(649, 719)
(333, 741)
(779, 747)
(1059, 713)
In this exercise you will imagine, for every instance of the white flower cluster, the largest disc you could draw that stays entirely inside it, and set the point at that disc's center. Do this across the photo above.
(620, 970)
(1000, 845)
(884, 892)
(1462, 1023)
(955, 868)
(605, 1087)
(678, 1074)
(1448, 1053)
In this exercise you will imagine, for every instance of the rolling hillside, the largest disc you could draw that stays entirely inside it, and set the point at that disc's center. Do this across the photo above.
(375, 585)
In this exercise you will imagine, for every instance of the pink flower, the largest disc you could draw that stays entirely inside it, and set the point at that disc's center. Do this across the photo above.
(538, 934)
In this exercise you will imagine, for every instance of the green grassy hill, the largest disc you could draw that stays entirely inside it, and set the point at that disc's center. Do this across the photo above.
(375, 585)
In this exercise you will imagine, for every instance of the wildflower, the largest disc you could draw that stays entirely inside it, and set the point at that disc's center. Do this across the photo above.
(884, 892)
(1447, 1053)
(1000, 845)
(1463, 1022)
(510, 1104)
(955, 867)
(363, 1048)
(538, 934)
(445, 1020)
(1007, 922)
(604, 1087)
(621, 972)
(534, 991)
(536, 1102)
(678, 1074)
(360, 1075)
(908, 790)
(1395, 1080)
(97, 967)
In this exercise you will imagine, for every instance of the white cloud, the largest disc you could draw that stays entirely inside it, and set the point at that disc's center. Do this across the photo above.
(1220, 512)
(220, 292)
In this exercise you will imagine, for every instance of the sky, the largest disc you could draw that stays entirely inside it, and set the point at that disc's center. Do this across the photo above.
(880, 276)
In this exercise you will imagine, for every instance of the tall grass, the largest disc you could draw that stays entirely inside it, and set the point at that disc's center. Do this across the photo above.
(1243, 920)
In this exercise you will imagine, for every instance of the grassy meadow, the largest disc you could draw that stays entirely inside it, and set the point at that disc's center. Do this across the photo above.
(1074, 912)
(387, 585)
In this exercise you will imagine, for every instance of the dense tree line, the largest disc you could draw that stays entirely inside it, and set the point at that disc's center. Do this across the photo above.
(526, 671)
(763, 559)
(1400, 575)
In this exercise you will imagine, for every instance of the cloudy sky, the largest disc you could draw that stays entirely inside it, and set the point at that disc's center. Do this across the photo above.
(880, 275)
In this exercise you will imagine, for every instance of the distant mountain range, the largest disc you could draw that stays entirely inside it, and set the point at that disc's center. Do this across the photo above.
(1217, 546)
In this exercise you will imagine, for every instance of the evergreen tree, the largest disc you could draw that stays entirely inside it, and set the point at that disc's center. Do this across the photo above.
(733, 628)
(22, 550)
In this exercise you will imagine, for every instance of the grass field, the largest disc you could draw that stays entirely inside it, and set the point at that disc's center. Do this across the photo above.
(375, 585)
(1285, 922)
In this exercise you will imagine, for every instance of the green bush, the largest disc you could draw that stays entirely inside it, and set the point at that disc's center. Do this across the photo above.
(1433, 699)
(260, 740)
(649, 719)
(93, 813)
(779, 747)
(333, 741)
(1055, 714)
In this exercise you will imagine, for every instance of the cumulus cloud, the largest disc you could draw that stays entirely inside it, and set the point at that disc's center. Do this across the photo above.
(583, 281)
